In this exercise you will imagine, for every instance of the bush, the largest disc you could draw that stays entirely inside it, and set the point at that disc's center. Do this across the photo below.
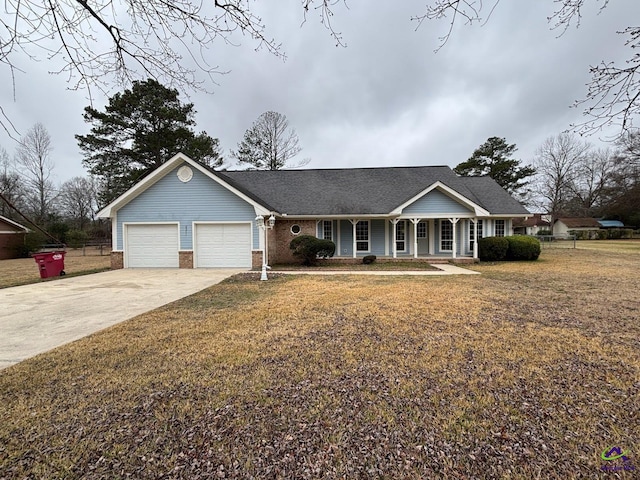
(544, 231)
(33, 241)
(58, 230)
(493, 249)
(523, 248)
(368, 259)
(311, 248)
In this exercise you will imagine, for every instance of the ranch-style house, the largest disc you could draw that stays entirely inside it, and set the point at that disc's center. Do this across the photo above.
(186, 215)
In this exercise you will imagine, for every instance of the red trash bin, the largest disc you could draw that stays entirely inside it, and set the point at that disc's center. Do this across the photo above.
(51, 264)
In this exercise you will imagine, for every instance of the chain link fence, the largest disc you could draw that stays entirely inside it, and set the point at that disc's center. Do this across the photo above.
(557, 241)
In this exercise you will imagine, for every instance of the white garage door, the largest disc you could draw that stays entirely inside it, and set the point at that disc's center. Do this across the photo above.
(152, 246)
(226, 245)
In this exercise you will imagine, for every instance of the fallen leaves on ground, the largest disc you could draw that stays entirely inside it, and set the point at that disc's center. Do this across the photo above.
(530, 370)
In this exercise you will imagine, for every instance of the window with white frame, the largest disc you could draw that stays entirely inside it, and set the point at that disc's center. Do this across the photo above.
(500, 228)
(421, 230)
(362, 236)
(446, 236)
(327, 230)
(401, 236)
(472, 227)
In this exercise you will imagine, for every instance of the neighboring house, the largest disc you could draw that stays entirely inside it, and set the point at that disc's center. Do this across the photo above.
(531, 225)
(562, 226)
(186, 215)
(12, 237)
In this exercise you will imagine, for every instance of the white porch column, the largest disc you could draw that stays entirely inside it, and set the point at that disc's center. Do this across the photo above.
(353, 223)
(386, 239)
(432, 236)
(395, 246)
(475, 237)
(415, 222)
(454, 221)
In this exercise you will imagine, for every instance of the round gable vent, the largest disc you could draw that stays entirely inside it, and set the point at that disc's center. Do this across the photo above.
(185, 174)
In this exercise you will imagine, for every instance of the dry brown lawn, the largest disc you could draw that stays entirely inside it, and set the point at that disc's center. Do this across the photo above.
(629, 246)
(21, 271)
(530, 370)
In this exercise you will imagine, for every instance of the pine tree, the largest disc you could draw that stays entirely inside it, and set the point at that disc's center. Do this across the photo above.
(138, 131)
(492, 158)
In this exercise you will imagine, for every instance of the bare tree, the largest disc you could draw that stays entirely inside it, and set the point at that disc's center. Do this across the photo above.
(557, 163)
(593, 175)
(150, 38)
(613, 95)
(623, 196)
(11, 187)
(33, 154)
(269, 143)
(78, 200)
(124, 40)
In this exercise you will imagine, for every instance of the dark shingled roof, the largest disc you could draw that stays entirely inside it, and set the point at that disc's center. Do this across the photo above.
(366, 191)
(579, 222)
(535, 221)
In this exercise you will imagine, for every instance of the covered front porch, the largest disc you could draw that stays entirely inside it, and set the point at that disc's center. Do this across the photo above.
(414, 238)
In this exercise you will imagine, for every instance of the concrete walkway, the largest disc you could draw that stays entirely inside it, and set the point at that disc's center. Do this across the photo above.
(443, 269)
(38, 317)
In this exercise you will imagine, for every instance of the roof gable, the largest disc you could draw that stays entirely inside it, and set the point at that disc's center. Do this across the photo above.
(164, 170)
(439, 198)
(11, 226)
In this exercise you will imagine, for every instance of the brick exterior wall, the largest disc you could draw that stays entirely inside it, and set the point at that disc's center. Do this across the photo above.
(185, 259)
(256, 259)
(10, 244)
(280, 238)
(117, 260)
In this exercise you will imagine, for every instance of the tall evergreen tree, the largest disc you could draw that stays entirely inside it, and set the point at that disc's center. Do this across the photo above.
(138, 131)
(492, 158)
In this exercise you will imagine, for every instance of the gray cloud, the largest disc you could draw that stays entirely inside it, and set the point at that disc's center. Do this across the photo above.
(385, 99)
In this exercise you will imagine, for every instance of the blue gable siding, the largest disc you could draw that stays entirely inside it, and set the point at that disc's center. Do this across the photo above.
(436, 202)
(201, 199)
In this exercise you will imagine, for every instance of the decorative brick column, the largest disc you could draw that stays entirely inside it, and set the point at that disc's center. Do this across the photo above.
(256, 259)
(185, 259)
(117, 260)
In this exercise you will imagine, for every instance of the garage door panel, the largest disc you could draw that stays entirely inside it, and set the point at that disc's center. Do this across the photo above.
(152, 246)
(223, 245)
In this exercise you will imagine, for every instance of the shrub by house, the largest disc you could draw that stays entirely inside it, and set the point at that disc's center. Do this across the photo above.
(310, 248)
(523, 248)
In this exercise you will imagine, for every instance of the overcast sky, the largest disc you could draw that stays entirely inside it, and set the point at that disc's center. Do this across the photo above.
(386, 99)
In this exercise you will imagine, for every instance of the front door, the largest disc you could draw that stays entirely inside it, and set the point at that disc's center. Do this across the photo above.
(422, 233)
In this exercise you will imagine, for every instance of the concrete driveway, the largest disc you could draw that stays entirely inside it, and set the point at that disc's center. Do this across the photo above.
(36, 318)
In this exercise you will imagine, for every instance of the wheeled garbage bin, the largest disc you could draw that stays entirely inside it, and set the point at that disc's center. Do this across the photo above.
(51, 264)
